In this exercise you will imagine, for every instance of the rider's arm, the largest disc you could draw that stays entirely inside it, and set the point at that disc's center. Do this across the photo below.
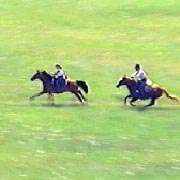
(136, 74)
(59, 73)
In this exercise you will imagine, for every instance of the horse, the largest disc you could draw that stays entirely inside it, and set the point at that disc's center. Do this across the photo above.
(153, 93)
(72, 86)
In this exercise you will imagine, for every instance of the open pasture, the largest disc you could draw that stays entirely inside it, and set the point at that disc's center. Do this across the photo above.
(96, 41)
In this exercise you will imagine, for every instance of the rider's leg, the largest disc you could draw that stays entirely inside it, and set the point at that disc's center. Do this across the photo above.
(142, 88)
(59, 83)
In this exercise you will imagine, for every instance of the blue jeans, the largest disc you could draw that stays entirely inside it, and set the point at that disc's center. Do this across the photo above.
(141, 88)
(59, 83)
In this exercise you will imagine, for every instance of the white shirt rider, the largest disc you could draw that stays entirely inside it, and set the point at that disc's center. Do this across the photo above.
(58, 72)
(141, 75)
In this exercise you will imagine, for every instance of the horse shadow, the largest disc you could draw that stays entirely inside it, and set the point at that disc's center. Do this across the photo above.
(59, 105)
(118, 97)
(70, 105)
(162, 109)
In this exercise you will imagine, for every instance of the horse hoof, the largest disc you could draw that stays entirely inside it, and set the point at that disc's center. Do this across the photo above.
(85, 99)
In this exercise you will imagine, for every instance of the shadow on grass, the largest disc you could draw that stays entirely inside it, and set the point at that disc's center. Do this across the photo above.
(70, 105)
(61, 105)
(119, 98)
(141, 108)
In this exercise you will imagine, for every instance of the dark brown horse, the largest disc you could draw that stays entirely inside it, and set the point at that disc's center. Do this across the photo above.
(153, 94)
(73, 86)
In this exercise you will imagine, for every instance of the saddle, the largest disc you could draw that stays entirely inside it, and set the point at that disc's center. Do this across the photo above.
(71, 82)
(148, 88)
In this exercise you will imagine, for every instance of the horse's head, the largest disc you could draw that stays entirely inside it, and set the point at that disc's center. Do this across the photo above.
(41, 76)
(125, 81)
(37, 75)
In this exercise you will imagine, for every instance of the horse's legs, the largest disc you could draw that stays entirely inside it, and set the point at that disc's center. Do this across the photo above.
(125, 99)
(133, 100)
(50, 98)
(82, 96)
(35, 95)
(78, 96)
(152, 102)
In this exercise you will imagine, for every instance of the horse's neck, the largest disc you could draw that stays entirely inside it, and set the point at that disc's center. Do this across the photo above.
(46, 80)
(132, 88)
(48, 76)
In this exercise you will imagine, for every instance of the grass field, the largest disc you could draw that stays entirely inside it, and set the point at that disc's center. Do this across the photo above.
(97, 41)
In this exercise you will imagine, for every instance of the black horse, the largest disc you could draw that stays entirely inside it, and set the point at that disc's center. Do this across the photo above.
(73, 86)
(153, 94)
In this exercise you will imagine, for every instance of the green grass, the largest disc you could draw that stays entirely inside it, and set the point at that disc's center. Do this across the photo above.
(97, 41)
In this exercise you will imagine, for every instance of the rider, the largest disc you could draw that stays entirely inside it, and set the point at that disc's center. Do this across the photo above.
(59, 77)
(142, 79)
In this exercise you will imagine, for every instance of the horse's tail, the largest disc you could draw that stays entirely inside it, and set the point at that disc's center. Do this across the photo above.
(170, 96)
(83, 85)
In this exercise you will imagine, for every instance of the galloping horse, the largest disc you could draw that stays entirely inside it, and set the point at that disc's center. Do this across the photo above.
(153, 94)
(72, 86)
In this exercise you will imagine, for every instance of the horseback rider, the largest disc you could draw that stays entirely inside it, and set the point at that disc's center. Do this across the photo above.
(142, 79)
(59, 79)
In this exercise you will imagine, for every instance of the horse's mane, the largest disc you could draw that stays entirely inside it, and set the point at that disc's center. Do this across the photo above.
(129, 78)
(47, 74)
(132, 80)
